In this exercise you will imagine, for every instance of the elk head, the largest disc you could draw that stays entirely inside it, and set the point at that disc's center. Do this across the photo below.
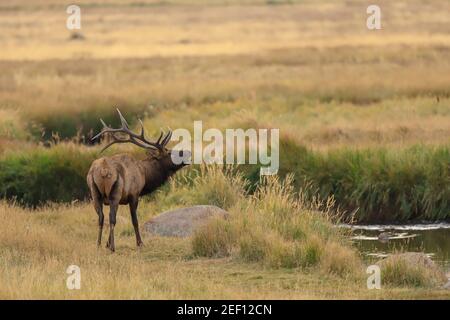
(171, 160)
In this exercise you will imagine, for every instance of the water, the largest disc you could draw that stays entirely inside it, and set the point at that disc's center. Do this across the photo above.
(378, 241)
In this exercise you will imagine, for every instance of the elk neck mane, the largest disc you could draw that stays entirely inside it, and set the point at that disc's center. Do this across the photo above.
(155, 174)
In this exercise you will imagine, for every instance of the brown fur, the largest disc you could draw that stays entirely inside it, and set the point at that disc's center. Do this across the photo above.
(122, 179)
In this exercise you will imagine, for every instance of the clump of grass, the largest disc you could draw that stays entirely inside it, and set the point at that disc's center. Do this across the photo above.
(340, 260)
(280, 230)
(311, 251)
(401, 271)
(253, 246)
(215, 239)
(221, 186)
(276, 228)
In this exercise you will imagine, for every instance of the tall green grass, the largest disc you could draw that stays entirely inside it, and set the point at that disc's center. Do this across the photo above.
(56, 174)
(80, 125)
(371, 185)
(377, 184)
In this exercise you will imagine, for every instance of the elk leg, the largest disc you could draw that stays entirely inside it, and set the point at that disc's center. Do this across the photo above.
(98, 205)
(99, 209)
(112, 223)
(134, 219)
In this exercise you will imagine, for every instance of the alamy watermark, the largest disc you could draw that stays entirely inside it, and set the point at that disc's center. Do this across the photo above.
(373, 21)
(73, 281)
(236, 146)
(374, 279)
(73, 21)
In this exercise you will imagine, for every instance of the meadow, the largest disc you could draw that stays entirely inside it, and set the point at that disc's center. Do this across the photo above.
(364, 125)
(273, 247)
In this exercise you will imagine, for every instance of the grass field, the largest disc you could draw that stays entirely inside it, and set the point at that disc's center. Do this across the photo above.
(363, 116)
(38, 246)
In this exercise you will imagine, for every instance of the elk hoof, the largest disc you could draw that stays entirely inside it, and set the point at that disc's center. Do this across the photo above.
(140, 244)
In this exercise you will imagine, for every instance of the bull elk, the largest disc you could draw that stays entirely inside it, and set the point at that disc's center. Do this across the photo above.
(122, 179)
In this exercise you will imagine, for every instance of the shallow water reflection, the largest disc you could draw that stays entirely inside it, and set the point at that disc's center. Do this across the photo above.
(377, 241)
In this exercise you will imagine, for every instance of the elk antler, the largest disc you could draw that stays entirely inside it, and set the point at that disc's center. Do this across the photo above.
(137, 139)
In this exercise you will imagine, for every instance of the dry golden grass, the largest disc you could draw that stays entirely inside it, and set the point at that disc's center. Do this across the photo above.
(36, 248)
(292, 90)
(37, 30)
(397, 122)
(311, 68)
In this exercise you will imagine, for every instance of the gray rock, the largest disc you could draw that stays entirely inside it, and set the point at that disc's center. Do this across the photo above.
(182, 222)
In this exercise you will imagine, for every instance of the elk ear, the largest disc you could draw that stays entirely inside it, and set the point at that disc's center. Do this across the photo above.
(152, 153)
(157, 153)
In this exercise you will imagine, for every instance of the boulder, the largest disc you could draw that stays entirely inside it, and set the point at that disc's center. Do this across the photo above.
(182, 222)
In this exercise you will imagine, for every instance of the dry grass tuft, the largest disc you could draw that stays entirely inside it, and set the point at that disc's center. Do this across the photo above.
(276, 229)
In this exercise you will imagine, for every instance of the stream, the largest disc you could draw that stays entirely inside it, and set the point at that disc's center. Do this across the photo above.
(378, 241)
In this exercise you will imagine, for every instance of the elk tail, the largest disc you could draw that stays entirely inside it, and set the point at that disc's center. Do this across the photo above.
(104, 179)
